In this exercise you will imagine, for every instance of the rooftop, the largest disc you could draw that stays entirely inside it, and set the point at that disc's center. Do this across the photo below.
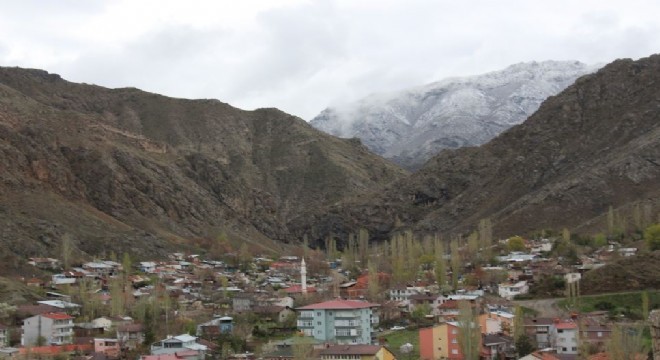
(57, 316)
(351, 350)
(565, 325)
(339, 304)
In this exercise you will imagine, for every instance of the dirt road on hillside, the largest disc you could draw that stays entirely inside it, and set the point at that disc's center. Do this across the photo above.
(545, 307)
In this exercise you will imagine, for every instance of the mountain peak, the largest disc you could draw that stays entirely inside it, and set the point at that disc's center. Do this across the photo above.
(412, 125)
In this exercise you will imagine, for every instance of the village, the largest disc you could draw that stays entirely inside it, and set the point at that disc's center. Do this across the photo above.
(324, 305)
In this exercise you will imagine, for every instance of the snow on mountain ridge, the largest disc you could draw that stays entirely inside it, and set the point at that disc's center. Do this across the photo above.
(412, 125)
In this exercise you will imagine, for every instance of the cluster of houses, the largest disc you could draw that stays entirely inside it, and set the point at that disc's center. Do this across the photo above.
(327, 310)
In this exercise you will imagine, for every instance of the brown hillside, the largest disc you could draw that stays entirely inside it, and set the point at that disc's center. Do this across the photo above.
(638, 272)
(126, 170)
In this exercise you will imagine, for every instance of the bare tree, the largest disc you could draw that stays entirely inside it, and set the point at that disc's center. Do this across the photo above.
(469, 336)
(627, 342)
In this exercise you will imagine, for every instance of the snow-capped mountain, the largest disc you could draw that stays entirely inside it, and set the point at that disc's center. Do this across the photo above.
(412, 125)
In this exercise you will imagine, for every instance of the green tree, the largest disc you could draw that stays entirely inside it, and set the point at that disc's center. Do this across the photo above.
(67, 251)
(518, 324)
(126, 265)
(244, 257)
(456, 262)
(419, 312)
(516, 243)
(374, 285)
(473, 246)
(117, 299)
(645, 304)
(363, 245)
(440, 265)
(469, 334)
(652, 237)
(600, 240)
(524, 345)
(302, 348)
(610, 220)
(6, 311)
(485, 238)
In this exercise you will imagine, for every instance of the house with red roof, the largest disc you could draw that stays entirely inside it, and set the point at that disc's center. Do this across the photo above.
(565, 336)
(55, 328)
(339, 321)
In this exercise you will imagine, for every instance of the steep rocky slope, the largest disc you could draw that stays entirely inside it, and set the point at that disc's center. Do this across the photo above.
(122, 169)
(595, 144)
(639, 272)
(411, 126)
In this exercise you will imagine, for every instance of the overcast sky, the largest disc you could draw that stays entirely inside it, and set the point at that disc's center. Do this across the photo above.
(302, 56)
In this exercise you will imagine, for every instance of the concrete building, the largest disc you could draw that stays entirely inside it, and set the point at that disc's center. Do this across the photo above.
(108, 347)
(130, 336)
(538, 329)
(178, 344)
(565, 336)
(440, 342)
(50, 328)
(509, 291)
(339, 321)
(403, 293)
(495, 322)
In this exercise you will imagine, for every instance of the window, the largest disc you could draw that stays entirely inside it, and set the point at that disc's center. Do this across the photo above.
(318, 313)
(564, 349)
(574, 348)
(454, 351)
(600, 334)
(318, 323)
(454, 341)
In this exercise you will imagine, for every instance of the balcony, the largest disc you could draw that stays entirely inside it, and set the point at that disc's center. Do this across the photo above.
(305, 323)
(347, 323)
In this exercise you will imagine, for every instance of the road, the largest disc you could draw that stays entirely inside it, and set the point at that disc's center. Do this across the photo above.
(545, 307)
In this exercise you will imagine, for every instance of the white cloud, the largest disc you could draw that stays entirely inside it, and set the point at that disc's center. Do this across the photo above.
(301, 55)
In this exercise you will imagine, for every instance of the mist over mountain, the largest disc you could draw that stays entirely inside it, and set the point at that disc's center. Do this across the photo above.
(411, 126)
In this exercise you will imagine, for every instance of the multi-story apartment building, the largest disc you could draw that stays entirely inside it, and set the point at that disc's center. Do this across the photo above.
(339, 321)
(565, 335)
(50, 328)
(440, 342)
(538, 329)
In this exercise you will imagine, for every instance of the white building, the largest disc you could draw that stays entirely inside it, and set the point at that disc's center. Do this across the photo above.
(565, 336)
(339, 321)
(403, 293)
(572, 277)
(49, 328)
(177, 344)
(509, 291)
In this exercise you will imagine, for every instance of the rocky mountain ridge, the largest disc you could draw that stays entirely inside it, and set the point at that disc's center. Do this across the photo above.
(411, 126)
(125, 170)
(594, 145)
